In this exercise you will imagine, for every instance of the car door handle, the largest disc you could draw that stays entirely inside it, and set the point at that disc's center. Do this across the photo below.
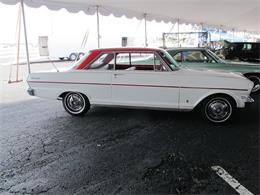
(117, 74)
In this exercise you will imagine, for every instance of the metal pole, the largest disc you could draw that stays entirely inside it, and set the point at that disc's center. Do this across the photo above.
(200, 36)
(172, 28)
(233, 34)
(201, 26)
(178, 29)
(219, 31)
(145, 31)
(25, 37)
(98, 35)
(163, 39)
(18, 42)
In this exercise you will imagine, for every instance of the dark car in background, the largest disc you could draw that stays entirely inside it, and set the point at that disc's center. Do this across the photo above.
(241, 51)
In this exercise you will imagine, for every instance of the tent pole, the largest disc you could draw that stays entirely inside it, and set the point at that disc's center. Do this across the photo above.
(98, 35)
(219, 31)
(145, 31)
(200, 44)
(25, 37)
(178, 29)
(163, 39)
(18, 43)
(233, 34)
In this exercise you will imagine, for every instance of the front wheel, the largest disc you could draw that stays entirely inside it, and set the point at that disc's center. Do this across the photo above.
(76, 103)
(217, 109)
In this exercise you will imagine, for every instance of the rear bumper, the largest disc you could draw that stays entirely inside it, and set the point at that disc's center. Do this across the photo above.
(30, 91)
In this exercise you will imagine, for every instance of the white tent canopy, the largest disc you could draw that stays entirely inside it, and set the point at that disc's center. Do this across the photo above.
(235, 15)
(238, 15)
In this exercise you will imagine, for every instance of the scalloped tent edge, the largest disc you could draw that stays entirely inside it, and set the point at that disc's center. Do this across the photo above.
(208, 13)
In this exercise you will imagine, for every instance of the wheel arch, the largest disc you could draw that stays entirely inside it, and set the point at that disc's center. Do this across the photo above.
(63, 94)
(255, 78)
(251, 73)
(217, 94)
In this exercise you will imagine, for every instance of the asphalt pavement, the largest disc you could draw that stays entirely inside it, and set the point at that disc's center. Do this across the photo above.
(44, 150)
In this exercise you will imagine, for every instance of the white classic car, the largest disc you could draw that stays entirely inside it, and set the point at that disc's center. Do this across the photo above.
(128, 77)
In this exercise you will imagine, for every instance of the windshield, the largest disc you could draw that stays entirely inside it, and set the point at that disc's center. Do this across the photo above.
(168, 58)
(220, 60)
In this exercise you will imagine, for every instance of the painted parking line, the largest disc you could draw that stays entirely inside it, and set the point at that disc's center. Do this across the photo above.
(231, 180)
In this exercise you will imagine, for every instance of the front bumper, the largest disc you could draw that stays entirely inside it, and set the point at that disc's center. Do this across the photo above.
(30, 91)
(244, 100)
(249, 100)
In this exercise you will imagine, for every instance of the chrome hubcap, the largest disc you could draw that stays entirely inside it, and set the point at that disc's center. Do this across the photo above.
(75, 102)
(256, 81)
(218, 110)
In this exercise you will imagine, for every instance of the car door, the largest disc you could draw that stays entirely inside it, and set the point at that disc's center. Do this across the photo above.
(137, 82)
(97, 79)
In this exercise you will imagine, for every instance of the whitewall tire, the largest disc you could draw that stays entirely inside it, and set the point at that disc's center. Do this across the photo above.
(217, 109)
(76, 103)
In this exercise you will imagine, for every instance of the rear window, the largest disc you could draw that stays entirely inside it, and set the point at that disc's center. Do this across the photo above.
(77, 63)
(105, 61)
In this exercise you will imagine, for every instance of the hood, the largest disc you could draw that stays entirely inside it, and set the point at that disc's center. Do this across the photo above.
(214, 79)
(210, 72)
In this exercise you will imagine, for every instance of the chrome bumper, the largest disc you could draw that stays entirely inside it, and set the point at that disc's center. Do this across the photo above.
(249, 100)
(30, 91)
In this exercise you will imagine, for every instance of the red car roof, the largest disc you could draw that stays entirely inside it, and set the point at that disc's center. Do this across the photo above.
(126, 49)
(95, 52)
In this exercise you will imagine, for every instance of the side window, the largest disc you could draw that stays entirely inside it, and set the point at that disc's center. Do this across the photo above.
(104, 62)
(249, 46)
(158, 64)
(139, 61)
(194, 56)
(143, 61)
(122, 61)
(177, 57)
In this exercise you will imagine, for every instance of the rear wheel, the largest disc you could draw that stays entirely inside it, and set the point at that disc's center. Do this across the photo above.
(217, 109)
(256, 80)
(76, 103)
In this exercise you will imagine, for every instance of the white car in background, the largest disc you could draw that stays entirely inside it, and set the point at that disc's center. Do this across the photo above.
(124, 77)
